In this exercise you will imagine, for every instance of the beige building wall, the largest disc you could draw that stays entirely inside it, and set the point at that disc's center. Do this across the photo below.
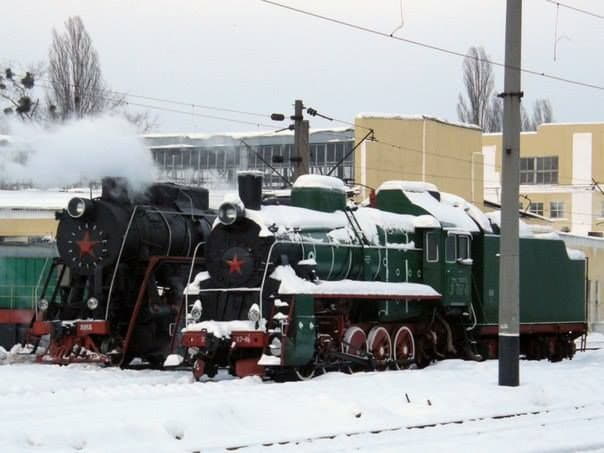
(420, 148)
(580, 149)
(28, 227)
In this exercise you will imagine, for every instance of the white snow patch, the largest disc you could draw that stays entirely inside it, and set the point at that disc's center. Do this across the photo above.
(55, 409)
(575, 254)
(325, 182)
(401, 116)
(193, 288)
(223, 329)
(269, 360)
(292, 284)
(523, 229)
(173, 360)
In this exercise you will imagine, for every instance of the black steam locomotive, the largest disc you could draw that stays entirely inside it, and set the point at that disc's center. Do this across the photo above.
(123, 261)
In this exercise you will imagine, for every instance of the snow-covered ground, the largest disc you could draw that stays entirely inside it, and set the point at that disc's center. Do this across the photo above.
(450, 406)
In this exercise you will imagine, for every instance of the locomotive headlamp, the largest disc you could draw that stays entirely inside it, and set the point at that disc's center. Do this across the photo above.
(43, 304)
(92, 303)
(229, 211)
(197, 310)
(275, 347)
(254, 313)
(77, 207)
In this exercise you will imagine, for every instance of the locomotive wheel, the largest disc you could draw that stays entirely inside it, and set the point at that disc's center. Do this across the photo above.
(354, 341)
(305, 373)
(199, 369)
(404, 348)
(380, 346)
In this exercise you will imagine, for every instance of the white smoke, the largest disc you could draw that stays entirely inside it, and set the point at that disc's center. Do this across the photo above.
(76, 152)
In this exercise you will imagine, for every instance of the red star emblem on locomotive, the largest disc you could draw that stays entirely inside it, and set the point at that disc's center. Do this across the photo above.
(86, 246)
(235, 264)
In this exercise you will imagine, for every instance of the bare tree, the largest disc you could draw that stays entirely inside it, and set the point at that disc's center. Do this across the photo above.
(478, 81)
(495, 117)
(17, 91)
(526, 124)
(542, 112)
(77, 87)
(482, 107)
(143, 121)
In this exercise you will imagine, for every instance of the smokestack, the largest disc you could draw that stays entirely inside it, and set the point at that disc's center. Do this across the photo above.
(250, 189)
(115, 189)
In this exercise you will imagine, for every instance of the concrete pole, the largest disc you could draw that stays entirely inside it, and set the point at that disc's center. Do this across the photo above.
(509, 264)
(301, 146)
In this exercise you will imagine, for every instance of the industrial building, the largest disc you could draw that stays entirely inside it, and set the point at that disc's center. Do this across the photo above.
(214, 159)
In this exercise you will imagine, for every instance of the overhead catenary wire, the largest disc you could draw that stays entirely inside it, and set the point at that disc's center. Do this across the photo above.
(432, 47)
(575, 9)
(183, 112)
(114, 95)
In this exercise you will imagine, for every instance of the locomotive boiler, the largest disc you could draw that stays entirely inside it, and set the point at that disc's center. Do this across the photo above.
(123, 260)
(324, 284)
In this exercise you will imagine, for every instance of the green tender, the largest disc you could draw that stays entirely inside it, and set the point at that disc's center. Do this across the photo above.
(550, 282)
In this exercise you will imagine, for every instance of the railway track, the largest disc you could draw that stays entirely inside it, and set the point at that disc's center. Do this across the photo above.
(475, 426)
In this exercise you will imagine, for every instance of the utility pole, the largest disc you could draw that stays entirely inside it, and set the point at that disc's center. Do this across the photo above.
(301, 146)
(509, 264)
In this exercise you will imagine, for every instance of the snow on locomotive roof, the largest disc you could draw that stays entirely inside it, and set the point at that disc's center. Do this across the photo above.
(292, 284)
(408, 186)
(308, 219)
(325, 182)
(469, 208)
(523, 229)
(418, 193)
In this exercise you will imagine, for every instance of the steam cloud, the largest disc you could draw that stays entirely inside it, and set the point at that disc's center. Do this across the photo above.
(77, 152)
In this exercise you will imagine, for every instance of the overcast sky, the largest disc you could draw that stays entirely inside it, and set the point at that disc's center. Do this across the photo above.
(247, 55)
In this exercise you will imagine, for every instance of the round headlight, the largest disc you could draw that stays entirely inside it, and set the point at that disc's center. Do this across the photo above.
(43, 304)
(275, 347)
(92, 303)
(77, 207)
(254, 313)
(196, 310)
(228, 213)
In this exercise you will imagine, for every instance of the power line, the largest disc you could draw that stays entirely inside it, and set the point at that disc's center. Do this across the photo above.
(200, 115)
(574, 8)
(166, 109)
(432, 46)
(114, 95)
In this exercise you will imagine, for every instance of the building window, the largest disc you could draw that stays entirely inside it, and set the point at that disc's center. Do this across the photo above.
(602, 209)
(539, 170)
(556, 209)
(536, 208)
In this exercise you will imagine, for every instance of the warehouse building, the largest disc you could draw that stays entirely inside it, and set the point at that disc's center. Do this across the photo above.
(214, 159)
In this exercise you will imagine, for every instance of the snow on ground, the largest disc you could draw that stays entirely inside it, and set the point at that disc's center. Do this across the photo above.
(558, 407)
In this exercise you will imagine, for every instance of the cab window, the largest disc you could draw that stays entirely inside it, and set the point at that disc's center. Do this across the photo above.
(463, 247)
(432, 247)
(450, 249)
